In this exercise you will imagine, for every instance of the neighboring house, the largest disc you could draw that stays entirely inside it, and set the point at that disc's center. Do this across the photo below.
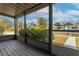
(72, 27)
(77, 25)
(67, 27)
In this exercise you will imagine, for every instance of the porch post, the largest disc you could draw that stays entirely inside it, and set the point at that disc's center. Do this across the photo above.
(50, 27)
(15, 28)
(25, 26)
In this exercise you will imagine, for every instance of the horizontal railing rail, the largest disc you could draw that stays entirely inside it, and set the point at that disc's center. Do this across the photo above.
(66, 30)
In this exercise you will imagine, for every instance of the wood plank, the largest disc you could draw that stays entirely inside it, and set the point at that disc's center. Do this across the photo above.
(7, 50)
(0, 52)
(25, 52)
(16, 50)
(27, 48)
(3, 51)
(13, 51)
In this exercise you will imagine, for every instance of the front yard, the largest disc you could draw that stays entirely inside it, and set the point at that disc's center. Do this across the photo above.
(60, 38)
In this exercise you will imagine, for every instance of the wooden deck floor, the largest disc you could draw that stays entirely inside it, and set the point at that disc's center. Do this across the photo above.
(18, 48)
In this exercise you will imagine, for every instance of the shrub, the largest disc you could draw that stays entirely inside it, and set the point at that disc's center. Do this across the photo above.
(1, 30)
(21, 32)
(38, 31)
(36, 34)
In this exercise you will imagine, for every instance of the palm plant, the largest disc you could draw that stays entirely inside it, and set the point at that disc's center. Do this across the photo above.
(42, 22)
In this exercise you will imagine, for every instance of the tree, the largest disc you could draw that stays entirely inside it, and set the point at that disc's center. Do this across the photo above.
(58, 25)
(6, 24)
(42, 22)
(68, 24)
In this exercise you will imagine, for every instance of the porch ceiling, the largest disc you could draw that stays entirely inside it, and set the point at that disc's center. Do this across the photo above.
(15, 9)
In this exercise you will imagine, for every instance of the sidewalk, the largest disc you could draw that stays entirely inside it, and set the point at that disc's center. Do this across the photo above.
(70, 42)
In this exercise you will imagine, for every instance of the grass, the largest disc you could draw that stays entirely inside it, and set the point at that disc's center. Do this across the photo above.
(61, 33)
(77, 42)
(59, 39)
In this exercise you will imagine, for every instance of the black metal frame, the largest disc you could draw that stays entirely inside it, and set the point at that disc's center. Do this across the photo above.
(15, 27)
(65, 30)
(7, 15)
(50, 27)
(25, 26)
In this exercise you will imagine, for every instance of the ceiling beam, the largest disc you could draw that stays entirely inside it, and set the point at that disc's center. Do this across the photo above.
(29, 8)
(38, 6)
(16, 5)
(13, 6)
(6, 15)
(21, 4)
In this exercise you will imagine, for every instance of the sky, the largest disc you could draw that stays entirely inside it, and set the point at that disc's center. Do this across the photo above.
(33, 17)
(66, 12)
(62, 12)
(7, 18)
